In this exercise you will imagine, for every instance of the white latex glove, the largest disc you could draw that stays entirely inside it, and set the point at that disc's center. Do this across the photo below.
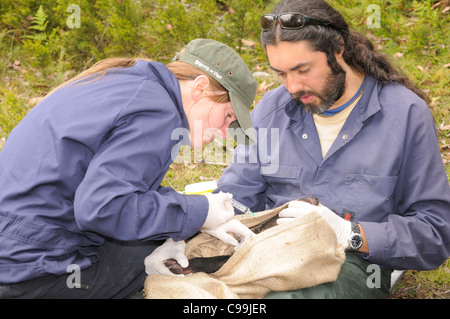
(341, 227)
(154, 263)
(220, 222)
(232, 226)
(220, 210)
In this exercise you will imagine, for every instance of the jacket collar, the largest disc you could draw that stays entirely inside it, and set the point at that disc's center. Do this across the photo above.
(369, 103)
(158, 72)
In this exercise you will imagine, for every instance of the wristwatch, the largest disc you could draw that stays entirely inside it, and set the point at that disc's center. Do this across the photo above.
(356, 240)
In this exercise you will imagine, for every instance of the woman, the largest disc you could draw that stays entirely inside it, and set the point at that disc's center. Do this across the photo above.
(81, 204)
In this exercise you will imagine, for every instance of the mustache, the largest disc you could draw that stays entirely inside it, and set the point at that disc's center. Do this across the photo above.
(298, 95)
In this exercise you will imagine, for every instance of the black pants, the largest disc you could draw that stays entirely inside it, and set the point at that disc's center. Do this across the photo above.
(119, 273)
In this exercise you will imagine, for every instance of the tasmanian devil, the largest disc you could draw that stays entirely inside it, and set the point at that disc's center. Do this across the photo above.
(213, 264)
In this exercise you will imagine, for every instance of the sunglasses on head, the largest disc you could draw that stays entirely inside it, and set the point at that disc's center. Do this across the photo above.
(289, 21)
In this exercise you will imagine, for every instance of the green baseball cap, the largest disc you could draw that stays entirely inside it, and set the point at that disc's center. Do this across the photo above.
(226, 66)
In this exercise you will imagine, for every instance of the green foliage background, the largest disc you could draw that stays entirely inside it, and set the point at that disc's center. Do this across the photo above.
(38, 51)
(35, 33)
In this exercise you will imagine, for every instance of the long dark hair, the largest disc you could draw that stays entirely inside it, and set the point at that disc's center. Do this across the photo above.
(359, 52)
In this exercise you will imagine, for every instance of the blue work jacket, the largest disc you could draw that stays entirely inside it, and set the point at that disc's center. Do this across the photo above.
(86, 163)
(384, 170)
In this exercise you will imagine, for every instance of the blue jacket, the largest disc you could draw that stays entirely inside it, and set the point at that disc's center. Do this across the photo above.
(384, 171)
(86, 163)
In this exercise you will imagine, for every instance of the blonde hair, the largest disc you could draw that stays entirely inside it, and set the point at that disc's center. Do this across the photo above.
(182, 71)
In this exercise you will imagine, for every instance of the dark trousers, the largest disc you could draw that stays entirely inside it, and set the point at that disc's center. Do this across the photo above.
(358, 279)
(119, 273)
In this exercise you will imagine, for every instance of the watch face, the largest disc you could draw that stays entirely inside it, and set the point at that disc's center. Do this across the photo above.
(356, 241)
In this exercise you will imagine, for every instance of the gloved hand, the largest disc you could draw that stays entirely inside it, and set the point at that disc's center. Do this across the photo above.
(341, 227)
(154, 263)
(232, 226)
(220, 220)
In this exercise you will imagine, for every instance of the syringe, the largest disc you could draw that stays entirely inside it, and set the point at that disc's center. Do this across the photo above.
(241, 207)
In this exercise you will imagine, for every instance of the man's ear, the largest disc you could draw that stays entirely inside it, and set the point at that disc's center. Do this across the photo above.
(200, 86)
(339, 54)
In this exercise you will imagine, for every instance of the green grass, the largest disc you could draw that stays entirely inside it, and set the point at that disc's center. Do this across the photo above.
(38, 51)
(434, 284)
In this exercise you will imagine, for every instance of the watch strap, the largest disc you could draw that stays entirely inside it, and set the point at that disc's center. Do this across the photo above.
(355, 228)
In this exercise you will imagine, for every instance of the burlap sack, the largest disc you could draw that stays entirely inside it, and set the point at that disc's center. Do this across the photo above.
(294, 255)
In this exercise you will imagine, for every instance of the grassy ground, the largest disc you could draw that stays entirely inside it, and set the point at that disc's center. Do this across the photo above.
(35, 56)
(433, 284)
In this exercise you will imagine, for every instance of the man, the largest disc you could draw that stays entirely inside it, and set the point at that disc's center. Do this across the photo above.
(348, 128)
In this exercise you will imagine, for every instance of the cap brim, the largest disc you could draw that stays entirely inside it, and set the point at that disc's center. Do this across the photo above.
(244, 133)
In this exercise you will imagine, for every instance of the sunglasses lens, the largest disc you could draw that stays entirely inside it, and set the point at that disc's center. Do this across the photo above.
(291, 20)
(267, 21)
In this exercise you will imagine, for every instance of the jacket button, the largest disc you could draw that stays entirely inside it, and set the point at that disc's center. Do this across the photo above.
(345, 136)
(305, 136)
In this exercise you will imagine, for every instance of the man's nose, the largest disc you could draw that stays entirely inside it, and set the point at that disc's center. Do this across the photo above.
(293, 84)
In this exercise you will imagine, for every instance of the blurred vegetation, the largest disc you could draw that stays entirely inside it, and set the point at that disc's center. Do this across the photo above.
(45, 42)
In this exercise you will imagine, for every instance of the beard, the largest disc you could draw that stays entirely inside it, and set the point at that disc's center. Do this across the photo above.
(334, 88)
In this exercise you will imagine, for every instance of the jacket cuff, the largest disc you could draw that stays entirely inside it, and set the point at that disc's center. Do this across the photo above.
(378, 241)
(197, 210)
